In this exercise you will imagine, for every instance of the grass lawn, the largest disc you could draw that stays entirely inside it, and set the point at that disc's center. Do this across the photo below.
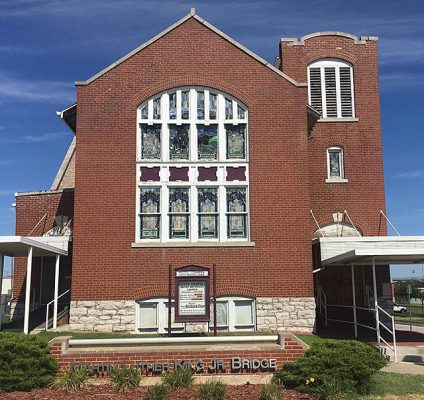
(417, 316)
(396, 386)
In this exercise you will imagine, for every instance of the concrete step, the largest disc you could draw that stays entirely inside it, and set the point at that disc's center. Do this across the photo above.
(414, 354)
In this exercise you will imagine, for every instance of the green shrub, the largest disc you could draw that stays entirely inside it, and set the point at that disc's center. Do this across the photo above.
(270, 391)
(125, 378)
(72, 379)
(212, 389)
(179, 378)
(25, 362)
(331, 367)
(156, 392)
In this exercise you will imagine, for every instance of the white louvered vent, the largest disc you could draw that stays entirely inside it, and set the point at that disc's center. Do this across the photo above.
(346, 92)
(331, 92)
(331, 88)
(315, 89)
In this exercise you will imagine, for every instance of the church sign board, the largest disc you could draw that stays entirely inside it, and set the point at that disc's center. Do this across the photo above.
(192, 294)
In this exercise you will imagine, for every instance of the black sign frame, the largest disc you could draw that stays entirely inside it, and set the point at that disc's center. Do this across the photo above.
(183, 275)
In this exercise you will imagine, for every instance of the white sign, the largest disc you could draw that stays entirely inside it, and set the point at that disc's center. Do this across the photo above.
(192, 298)
(192, 273)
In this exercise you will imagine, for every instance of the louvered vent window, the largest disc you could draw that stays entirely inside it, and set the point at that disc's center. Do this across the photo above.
(331, 88)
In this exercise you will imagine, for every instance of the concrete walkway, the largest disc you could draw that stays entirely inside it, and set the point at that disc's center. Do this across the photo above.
(405, 368)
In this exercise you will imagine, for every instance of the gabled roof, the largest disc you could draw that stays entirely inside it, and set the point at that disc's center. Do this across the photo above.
(192, 14)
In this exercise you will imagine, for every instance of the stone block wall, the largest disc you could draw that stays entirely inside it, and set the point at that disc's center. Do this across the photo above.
(295, 314)
(102, 316)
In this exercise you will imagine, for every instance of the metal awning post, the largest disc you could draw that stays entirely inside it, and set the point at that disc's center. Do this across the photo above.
(1, 284)
(374, 285)
(28, 290)
(56, 291)
(355, 322)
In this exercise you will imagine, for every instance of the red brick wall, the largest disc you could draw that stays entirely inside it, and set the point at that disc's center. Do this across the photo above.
(105, 266)
(30, 209)
(291, 351)
(363, 197)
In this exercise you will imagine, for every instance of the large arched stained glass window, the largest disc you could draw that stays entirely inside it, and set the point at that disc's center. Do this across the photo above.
(192, 153)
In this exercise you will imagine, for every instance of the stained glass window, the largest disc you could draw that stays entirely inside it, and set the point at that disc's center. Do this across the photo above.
(207, 142)
(149, 213)
(212, 105)
(236, 141)
(173, 105)
(241, 113)
(185, 104)
(236, 212)
(179, 142)
(179, 216)
(335, 166)
(208, 212)
(200, 105)
(228, 109)
(150, 141)
(144, 112)
(156, 108)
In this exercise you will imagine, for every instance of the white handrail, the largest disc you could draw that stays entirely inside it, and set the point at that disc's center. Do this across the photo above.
(48, 306)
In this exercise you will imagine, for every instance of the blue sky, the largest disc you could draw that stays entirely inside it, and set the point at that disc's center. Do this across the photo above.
(46, 45)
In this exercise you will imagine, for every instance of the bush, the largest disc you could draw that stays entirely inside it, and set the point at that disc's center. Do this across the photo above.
(332, 367)
(179, 378)
(270, 391)
(72, 379)
(156, 392)
(25, 362)
(124, 378)
(213, 389)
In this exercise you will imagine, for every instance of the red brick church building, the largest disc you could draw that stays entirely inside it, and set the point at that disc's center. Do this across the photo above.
(193, 150)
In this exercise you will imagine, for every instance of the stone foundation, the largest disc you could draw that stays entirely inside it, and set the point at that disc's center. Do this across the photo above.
(102, 316)
(295, 314)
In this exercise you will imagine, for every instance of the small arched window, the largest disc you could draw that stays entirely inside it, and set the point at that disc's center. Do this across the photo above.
(330, 83)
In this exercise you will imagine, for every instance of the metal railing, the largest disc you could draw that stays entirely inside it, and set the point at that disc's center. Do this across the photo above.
(392, 332)
(48, 308)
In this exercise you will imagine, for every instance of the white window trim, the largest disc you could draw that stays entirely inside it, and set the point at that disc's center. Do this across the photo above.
(165, 163)
(336, 179)
(336, 63)
(162, 303)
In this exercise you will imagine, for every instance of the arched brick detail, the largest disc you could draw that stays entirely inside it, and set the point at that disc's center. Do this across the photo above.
(191, 80)
(319, 54)
(361, 224)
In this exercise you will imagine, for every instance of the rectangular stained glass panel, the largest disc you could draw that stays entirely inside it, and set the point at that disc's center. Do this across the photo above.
(144, 112)
(185, 104)
(200, 105)
(212, 105)
(207, 142)
(208, 212)
(334, 161)
(228, 109)
(236, 213)
(173, 105)
(236, 141)
(179, 146)
(150, 141)
(241, 114)
(179, 213)
(150, 213)
(156, 108)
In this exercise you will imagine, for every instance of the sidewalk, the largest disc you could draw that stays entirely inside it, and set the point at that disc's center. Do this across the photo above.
(405, 368)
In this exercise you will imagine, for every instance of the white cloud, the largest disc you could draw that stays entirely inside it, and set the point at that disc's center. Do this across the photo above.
(401, 80)
(401, 51)
(12, 89)
(34, 138)
(7, 192)
(417, 173)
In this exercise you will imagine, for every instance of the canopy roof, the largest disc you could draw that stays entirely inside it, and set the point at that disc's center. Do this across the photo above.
(362, 250)
(18, 246)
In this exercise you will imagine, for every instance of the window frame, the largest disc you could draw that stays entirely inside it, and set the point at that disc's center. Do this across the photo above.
(337, 64)
(165, 163)
(336, 179)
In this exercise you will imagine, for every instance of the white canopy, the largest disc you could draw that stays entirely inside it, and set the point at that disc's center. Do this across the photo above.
(363, 250)
(17, 246)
